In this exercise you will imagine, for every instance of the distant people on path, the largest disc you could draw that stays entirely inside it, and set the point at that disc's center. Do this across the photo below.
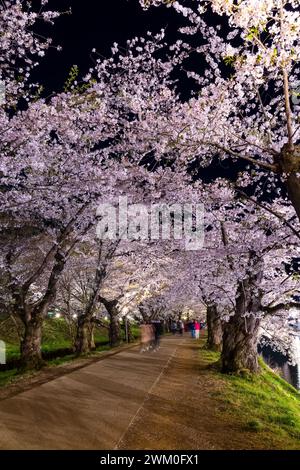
(173, 327)
(192, 328)
(150, 335)
(157, 332)
(197, 328)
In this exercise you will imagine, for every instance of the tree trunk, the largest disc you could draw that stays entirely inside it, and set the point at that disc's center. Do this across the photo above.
(240, 333)
(31, 353)
(82, 342)
(240, 337)
(289, 163)
(92, 345)
(129, 332)
(114, 328)
(293, 187)
(214, 329)
(33, 317)
(84, 338)
(114, 325)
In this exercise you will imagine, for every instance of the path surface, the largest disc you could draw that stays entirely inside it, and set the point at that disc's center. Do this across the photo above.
(88, 409)
(159, 400)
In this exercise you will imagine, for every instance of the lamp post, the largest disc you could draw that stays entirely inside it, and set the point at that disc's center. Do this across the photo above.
(126, 330)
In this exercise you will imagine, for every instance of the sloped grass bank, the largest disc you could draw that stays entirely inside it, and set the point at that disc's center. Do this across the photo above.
(264, 404)
(57, 341)
(57, 347)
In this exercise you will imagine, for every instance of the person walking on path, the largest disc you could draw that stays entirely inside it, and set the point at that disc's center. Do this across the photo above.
(173, 327)
(192, 328)
(197, 329)
(147, 337)
(157, 331)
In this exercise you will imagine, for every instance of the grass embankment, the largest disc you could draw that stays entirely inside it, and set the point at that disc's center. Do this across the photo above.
(57, 344)
(264, 404)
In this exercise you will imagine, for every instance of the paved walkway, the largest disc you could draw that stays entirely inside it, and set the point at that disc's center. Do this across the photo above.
(160, 400)
(92, 408)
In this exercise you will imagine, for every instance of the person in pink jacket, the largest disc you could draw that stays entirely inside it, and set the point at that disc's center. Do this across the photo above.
(197, 329)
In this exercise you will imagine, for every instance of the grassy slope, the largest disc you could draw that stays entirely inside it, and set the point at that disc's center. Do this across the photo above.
(56, 337)
(264, 404)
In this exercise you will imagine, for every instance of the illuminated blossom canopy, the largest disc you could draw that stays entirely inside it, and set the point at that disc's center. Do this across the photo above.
(125, 129)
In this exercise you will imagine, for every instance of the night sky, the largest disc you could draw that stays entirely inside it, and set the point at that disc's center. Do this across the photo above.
(98, 24)
(95, 24)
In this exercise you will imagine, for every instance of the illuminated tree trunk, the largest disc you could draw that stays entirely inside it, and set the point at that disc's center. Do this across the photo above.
(214, 329)
(240, 333)
(33, 317)
(31, 354)
(240, 339)
(130, 332)
(82, 342)
(114, 325)
(289, 163)
(293, 187)
(92, 344)
(127, 326)
(114, 330)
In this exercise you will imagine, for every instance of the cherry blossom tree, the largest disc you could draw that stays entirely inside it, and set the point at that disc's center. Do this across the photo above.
(247, 106)
(125, 129)
(245, 282)
(21, 46)
(241, 274)
(51, 183)
(245, 110)
(59, 160)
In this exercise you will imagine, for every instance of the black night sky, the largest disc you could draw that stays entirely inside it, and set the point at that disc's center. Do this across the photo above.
(95, 24)
(98, 24)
